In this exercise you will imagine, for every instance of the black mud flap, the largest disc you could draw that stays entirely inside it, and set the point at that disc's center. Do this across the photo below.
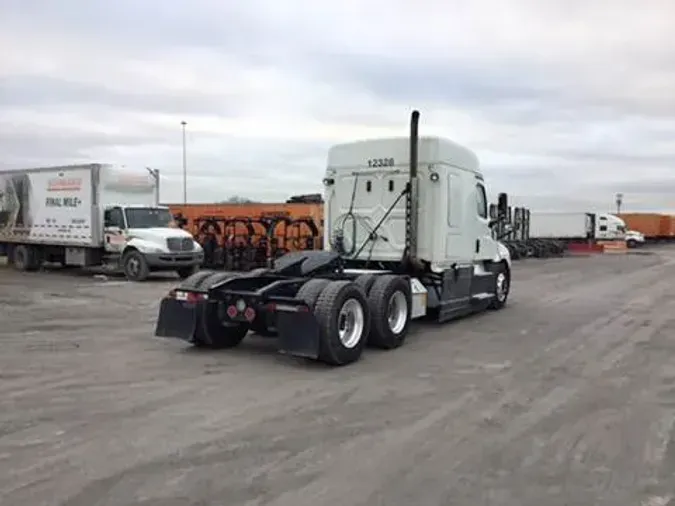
(298, 334)
(176, 319)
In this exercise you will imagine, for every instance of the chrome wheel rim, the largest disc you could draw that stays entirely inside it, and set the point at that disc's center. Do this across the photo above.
(351, 322)
(133, 266)
(502, 287)
(397, 312)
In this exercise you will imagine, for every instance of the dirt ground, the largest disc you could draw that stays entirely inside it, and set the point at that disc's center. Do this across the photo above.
(566, 397)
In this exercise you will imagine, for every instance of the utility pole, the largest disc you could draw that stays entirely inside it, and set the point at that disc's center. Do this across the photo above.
(184, 124)
(619, 201)
(155, 175)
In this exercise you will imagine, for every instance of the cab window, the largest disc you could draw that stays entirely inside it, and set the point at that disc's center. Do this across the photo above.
(481, 201)
(114, 218)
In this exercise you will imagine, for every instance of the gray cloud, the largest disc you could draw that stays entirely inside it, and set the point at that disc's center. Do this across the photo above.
(40, 91)
(558, 109)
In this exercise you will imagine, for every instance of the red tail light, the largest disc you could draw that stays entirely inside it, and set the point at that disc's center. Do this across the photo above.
(186, 296)
(249, 314)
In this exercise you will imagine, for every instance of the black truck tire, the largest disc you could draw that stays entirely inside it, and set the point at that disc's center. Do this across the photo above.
(135, 266)
(194, 282)
(310, 291)
(216, 277)
(502, 287)
(211, 331)
(342, 307)
(24, 258)
(390, 302)
(366, 281)
(258, 271)
(215, 334)
(186, 272)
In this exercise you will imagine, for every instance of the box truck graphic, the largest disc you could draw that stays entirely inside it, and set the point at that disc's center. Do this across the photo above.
(15, 196)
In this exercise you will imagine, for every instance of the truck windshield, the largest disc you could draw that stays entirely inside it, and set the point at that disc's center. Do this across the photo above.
(148, 217)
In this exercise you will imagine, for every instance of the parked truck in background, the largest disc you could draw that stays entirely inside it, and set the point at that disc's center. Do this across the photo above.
(568, 226)
(634, 238)
(92, 215)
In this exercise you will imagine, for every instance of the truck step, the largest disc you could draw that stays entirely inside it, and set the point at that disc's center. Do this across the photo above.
(484, 274)
(482, 296)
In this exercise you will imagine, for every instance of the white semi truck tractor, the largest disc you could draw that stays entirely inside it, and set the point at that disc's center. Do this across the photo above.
(408, 235)
(92, 215)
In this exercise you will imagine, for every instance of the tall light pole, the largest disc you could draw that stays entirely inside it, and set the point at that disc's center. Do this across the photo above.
(619, 201)
(183, 124)
(155, 175)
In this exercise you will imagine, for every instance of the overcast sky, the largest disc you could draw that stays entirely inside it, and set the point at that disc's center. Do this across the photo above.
(566, 102)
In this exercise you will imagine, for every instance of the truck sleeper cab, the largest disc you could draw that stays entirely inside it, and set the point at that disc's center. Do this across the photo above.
(407, 234)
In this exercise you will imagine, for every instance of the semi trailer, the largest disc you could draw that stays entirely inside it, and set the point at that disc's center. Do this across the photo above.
(407, 234)
(568, 226)
(92, 215)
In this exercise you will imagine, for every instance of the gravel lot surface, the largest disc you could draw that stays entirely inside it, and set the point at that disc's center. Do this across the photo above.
(566, 397)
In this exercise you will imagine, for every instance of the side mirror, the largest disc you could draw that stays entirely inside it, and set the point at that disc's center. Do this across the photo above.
(502, 204)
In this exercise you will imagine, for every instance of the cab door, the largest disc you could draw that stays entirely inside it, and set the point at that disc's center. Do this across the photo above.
(114, 227)
(485, 247)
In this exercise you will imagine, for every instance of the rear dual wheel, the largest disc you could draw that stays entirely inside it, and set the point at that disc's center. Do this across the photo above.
(342, 311)
(390, 302)
(210, 330)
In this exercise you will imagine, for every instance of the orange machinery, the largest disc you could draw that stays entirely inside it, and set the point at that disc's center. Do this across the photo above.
(245, 236)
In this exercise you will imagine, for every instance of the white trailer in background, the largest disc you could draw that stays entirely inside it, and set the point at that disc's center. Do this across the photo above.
(92, 215)
(577, 226)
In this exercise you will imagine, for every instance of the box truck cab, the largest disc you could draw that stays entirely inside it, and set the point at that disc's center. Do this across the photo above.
(144, 239)
(634, 238)
(92, 215)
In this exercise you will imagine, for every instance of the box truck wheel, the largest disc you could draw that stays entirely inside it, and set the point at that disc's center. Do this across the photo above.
(25, 258)
(135, 266)
(390, 303)
(344, 321)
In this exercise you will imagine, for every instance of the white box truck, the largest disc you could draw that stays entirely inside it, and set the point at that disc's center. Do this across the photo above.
(92, 215)
(576, 226)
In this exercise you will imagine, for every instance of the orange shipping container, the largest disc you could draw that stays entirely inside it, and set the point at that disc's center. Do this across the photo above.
(664, 225)
(650, 224)
(669, 225)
